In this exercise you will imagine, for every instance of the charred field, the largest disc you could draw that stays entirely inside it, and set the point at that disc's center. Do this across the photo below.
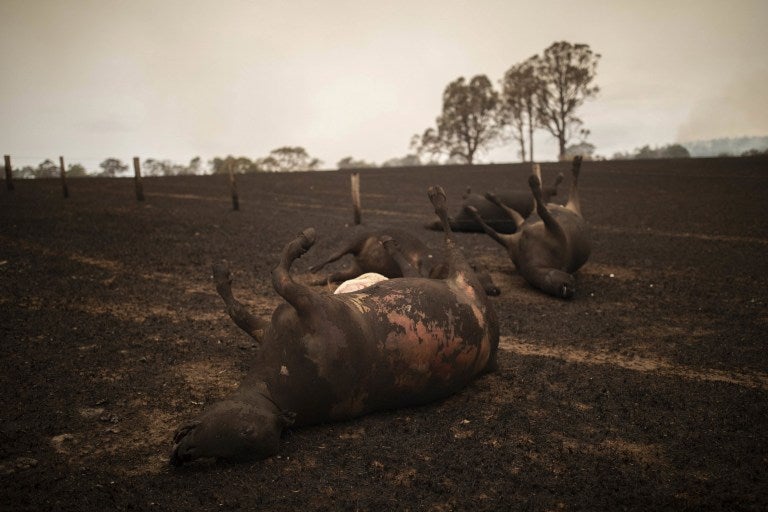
(647, 391)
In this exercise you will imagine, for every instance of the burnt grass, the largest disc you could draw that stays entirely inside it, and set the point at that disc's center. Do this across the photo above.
(647, 391)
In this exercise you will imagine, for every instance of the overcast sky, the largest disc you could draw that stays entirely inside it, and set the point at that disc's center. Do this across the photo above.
(177, 79)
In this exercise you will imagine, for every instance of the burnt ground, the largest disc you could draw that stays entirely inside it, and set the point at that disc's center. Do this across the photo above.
(647, 391)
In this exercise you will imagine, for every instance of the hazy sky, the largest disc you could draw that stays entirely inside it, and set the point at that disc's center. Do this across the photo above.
(177, 79)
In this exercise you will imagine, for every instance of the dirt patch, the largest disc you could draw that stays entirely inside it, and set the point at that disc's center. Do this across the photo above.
(647, 391)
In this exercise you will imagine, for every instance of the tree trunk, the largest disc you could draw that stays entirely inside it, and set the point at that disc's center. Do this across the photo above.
(561, 142)
(530, 138)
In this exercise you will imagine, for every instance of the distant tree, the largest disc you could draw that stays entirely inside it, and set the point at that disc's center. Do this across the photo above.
(647, 152)
(111, 167)
(24, 172)
(152, 167)
(46, 169)
(195, 166)
(240, 165)
(566, 72)
(621, 155)
(520, 88)
(409, 160)
(288, 158)
(755, 152)
(268, 164)
(350, 163)
(583, 149)
(76, 171)
(470, 121)
(674, 151)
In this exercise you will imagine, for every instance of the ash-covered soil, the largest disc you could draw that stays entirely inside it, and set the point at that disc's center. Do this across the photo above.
(647, 391)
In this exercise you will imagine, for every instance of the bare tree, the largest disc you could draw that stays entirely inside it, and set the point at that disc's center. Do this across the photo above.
(566, 72)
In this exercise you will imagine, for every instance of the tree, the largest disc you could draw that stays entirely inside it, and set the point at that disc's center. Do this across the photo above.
(520, 88)
(240, 165)
(195, 166)
(111, 167)
(152, 167)
(675, 151)
(76, 171)
(47, 169)
(25, 172)
(647, 152)
(289, 158)
(470, 122)
(350, 163)
(409, 160)
(566, 72)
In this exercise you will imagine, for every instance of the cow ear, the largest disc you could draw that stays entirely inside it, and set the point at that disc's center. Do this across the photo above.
(287, 418)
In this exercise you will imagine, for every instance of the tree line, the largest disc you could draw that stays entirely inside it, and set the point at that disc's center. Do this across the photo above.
(284, 159)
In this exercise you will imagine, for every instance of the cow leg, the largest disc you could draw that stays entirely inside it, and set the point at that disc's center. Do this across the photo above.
(506, 241)
(334, 257)
(485, 279)
(458, 266)
(300, 296)
(251, 324)
(351, 271)
(574, 204)
(393, 249)
(511, 213)
(550, 222)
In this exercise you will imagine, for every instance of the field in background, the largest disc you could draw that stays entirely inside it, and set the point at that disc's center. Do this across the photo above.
(649, 390)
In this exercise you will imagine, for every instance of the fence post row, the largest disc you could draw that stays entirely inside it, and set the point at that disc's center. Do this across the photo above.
(8, 173)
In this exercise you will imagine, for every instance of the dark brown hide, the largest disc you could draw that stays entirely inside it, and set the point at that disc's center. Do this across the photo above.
(323, 357)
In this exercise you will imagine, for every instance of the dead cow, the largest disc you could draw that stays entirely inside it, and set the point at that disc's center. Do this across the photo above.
(551, 244)
(323, 357)
(494, 214)
(368, 255)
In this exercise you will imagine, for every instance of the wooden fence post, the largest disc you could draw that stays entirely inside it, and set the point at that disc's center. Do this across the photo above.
(233, 186)
(64, 188)
(137, 179)
(8, 173)
(354, 179)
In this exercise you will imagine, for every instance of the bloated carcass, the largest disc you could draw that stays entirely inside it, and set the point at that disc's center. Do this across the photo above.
(400, 342)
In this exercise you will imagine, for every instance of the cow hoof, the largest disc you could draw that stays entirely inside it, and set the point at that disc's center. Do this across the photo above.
(302, 243)
(221, 272)
(534, 182)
